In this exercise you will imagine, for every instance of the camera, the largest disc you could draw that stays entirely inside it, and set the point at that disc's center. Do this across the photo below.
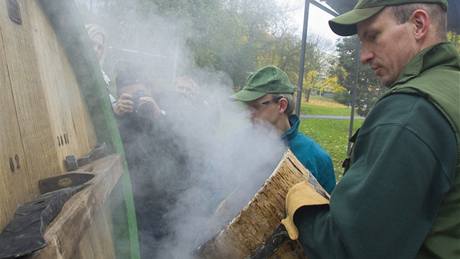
(143, 109)
(136, 98)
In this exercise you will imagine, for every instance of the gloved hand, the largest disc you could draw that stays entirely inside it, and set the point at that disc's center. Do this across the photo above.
(300, 195)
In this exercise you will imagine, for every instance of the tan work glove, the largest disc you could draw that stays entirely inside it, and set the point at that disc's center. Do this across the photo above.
(301, 194)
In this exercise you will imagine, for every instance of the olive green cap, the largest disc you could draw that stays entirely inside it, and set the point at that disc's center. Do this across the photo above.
(267, 80)
(345, 24)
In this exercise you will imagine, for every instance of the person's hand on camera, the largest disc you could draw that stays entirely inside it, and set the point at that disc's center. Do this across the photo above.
(124, 104)
(153, 108)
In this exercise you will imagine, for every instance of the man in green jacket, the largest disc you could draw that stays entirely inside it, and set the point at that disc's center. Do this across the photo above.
(400, 197)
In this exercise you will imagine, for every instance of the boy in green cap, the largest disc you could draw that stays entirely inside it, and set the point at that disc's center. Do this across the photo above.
(268, 93)
(400, 197)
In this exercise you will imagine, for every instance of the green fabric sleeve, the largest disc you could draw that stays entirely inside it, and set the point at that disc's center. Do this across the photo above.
(402, 167)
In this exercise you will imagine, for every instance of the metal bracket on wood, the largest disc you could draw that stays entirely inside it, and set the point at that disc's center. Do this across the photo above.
(14, 11)
(72, 163)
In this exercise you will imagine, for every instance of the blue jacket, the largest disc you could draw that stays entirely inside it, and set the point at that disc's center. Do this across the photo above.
(310, 154)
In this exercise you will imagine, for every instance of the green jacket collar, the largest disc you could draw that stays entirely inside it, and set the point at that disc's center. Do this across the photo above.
(443, 54)
(293, 130)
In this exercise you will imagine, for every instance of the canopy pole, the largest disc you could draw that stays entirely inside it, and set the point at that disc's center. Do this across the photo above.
(302, 58)
(354, 88)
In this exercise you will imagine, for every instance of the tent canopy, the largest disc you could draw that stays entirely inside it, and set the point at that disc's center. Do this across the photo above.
(341, 6)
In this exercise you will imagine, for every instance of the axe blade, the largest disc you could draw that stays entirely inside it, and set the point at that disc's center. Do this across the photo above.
(63, 181)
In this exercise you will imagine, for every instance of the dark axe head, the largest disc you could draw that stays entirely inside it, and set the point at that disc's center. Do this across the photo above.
(63, 181)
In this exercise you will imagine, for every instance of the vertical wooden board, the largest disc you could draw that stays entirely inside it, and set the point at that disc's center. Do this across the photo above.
(29, 98)
(101, 236)
(86, 247)
(84, 250)
(97, 241)
(68, 113)
(13, 188)
(107, 247)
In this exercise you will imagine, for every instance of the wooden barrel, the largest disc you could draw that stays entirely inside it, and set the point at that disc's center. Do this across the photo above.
(258, 220)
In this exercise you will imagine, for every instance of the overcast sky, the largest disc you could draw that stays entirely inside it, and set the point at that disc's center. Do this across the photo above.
(317, 22)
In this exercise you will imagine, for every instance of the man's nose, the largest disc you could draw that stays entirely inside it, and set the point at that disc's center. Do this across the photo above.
(365, 55)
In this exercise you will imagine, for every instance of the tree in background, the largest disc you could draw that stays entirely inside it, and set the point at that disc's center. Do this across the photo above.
(454, 38)
(234, 36)
(237, 37)
(367, 87)
(331, 84)
(319, 76)
(311, 81)
(284, 52)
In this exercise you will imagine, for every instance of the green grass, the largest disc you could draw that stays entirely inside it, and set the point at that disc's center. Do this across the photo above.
(319, 105)
(312, 109)
(332, 135)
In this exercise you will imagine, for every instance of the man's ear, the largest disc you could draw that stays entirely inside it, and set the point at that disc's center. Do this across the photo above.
(282, 104)
(421, 21)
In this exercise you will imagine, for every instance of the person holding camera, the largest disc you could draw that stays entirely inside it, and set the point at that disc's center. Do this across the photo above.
(134, 98)
(151, 153)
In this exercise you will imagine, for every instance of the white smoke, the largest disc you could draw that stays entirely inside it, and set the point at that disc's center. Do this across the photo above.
(224, 153)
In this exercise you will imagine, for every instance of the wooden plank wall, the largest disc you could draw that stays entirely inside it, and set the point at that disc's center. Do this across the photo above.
(70, 119)
(43, 117)
(32, 120)
(12, 175)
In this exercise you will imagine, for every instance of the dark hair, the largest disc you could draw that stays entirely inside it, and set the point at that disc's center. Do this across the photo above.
(437, 13)
(129, 74)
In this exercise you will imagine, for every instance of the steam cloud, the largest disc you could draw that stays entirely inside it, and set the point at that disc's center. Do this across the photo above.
(223, 152)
